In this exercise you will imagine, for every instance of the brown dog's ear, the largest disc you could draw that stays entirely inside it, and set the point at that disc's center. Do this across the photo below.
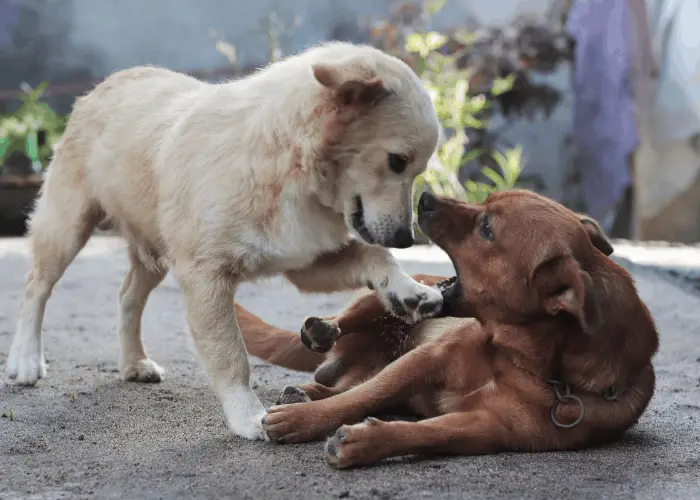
(596, 234)
(350, 91)
(563, 287)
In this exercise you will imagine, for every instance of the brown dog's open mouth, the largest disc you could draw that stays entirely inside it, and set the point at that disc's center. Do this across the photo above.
(451, 291)
(447, 284)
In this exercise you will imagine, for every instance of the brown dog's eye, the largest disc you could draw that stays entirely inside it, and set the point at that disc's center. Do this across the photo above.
(485, 228)
(397, 163)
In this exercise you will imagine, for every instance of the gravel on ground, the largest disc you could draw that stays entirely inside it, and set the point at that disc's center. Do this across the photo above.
(81, 433)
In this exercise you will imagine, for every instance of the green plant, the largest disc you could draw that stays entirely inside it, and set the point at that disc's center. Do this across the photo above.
(34, 128)
(459, 110)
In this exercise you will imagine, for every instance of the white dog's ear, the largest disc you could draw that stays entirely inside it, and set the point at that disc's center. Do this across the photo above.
(350, 90)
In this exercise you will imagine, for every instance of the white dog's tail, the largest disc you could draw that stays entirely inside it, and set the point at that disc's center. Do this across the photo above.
(275, 345)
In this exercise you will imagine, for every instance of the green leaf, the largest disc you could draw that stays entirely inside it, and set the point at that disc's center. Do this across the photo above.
(415, 43)
(502, 85)
(471, 186)
(451, 153)
(32, 148)
(40, 88)
(469, 121)
(434, 40)
(472, 154)
(494, 176)
(421, 67)
(510, 164)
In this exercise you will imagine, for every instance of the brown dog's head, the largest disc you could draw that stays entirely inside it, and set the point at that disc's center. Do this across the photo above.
(379, 131)
(519, 256)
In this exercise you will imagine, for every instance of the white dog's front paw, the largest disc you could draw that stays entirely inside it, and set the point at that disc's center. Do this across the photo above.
(26, 363)
(244, 413)
(410, 300)
(143, 370)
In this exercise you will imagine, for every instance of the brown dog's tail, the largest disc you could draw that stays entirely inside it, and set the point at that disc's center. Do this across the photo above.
(275, 345)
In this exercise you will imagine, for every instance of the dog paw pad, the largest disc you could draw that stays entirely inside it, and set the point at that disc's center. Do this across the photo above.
(144, 371)
(319, 334)
(292, 395)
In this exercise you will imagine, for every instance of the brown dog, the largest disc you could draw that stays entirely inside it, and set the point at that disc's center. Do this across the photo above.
(547, 347)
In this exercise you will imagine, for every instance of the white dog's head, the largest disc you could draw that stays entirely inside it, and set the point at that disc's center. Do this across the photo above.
(379, 130)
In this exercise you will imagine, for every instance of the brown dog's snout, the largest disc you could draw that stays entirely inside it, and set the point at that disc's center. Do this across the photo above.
(427, 203)
(428, 208)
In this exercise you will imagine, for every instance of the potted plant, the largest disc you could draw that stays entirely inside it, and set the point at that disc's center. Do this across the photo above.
(27, 137)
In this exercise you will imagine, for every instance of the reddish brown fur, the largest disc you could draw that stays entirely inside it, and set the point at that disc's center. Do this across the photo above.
(276, 346)
(548, 304)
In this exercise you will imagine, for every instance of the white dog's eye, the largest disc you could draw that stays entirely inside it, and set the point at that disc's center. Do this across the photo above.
(397, 163)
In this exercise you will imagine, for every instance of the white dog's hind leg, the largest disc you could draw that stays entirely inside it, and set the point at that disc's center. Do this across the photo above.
(59, 228)
(135, 365)
(210, 311)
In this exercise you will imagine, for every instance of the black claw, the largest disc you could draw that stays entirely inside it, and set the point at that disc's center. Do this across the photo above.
(281, 440)
(319, 335)
(292, 395)
(331, 449)
(306, 340)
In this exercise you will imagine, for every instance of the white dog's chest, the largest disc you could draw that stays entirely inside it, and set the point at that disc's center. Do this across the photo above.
(291, 244)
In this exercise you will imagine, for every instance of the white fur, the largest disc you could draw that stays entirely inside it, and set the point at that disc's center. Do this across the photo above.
(224, 183)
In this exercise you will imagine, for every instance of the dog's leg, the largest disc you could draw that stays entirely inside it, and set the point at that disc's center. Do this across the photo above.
(366, 314)
(359, 265)
(209, 296)
(459, 360)
(59, 228)
(135, 364)
(474, 432)
(315, 391)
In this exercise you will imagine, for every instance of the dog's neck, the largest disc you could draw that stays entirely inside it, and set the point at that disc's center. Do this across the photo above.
(624, 343)
(612, 355)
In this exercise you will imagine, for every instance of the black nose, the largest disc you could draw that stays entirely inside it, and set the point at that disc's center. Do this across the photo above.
(426, 203)
(403, 238)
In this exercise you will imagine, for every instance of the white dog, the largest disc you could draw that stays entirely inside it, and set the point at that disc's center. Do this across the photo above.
(304, 168)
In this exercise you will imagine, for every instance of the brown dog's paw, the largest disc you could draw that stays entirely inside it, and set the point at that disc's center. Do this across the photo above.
(352, 445)
(319, 334)
(297, 423)
(292, 395)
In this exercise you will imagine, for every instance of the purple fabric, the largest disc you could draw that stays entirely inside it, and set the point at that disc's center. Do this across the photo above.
(9, 15)
(604, 120)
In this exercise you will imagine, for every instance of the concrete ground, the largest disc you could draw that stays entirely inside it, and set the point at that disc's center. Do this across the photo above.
(81, 433)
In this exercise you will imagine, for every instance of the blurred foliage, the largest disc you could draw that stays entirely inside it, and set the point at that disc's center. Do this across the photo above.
(275, 29)
(33, 129)
(471, 75)
(458, 110)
